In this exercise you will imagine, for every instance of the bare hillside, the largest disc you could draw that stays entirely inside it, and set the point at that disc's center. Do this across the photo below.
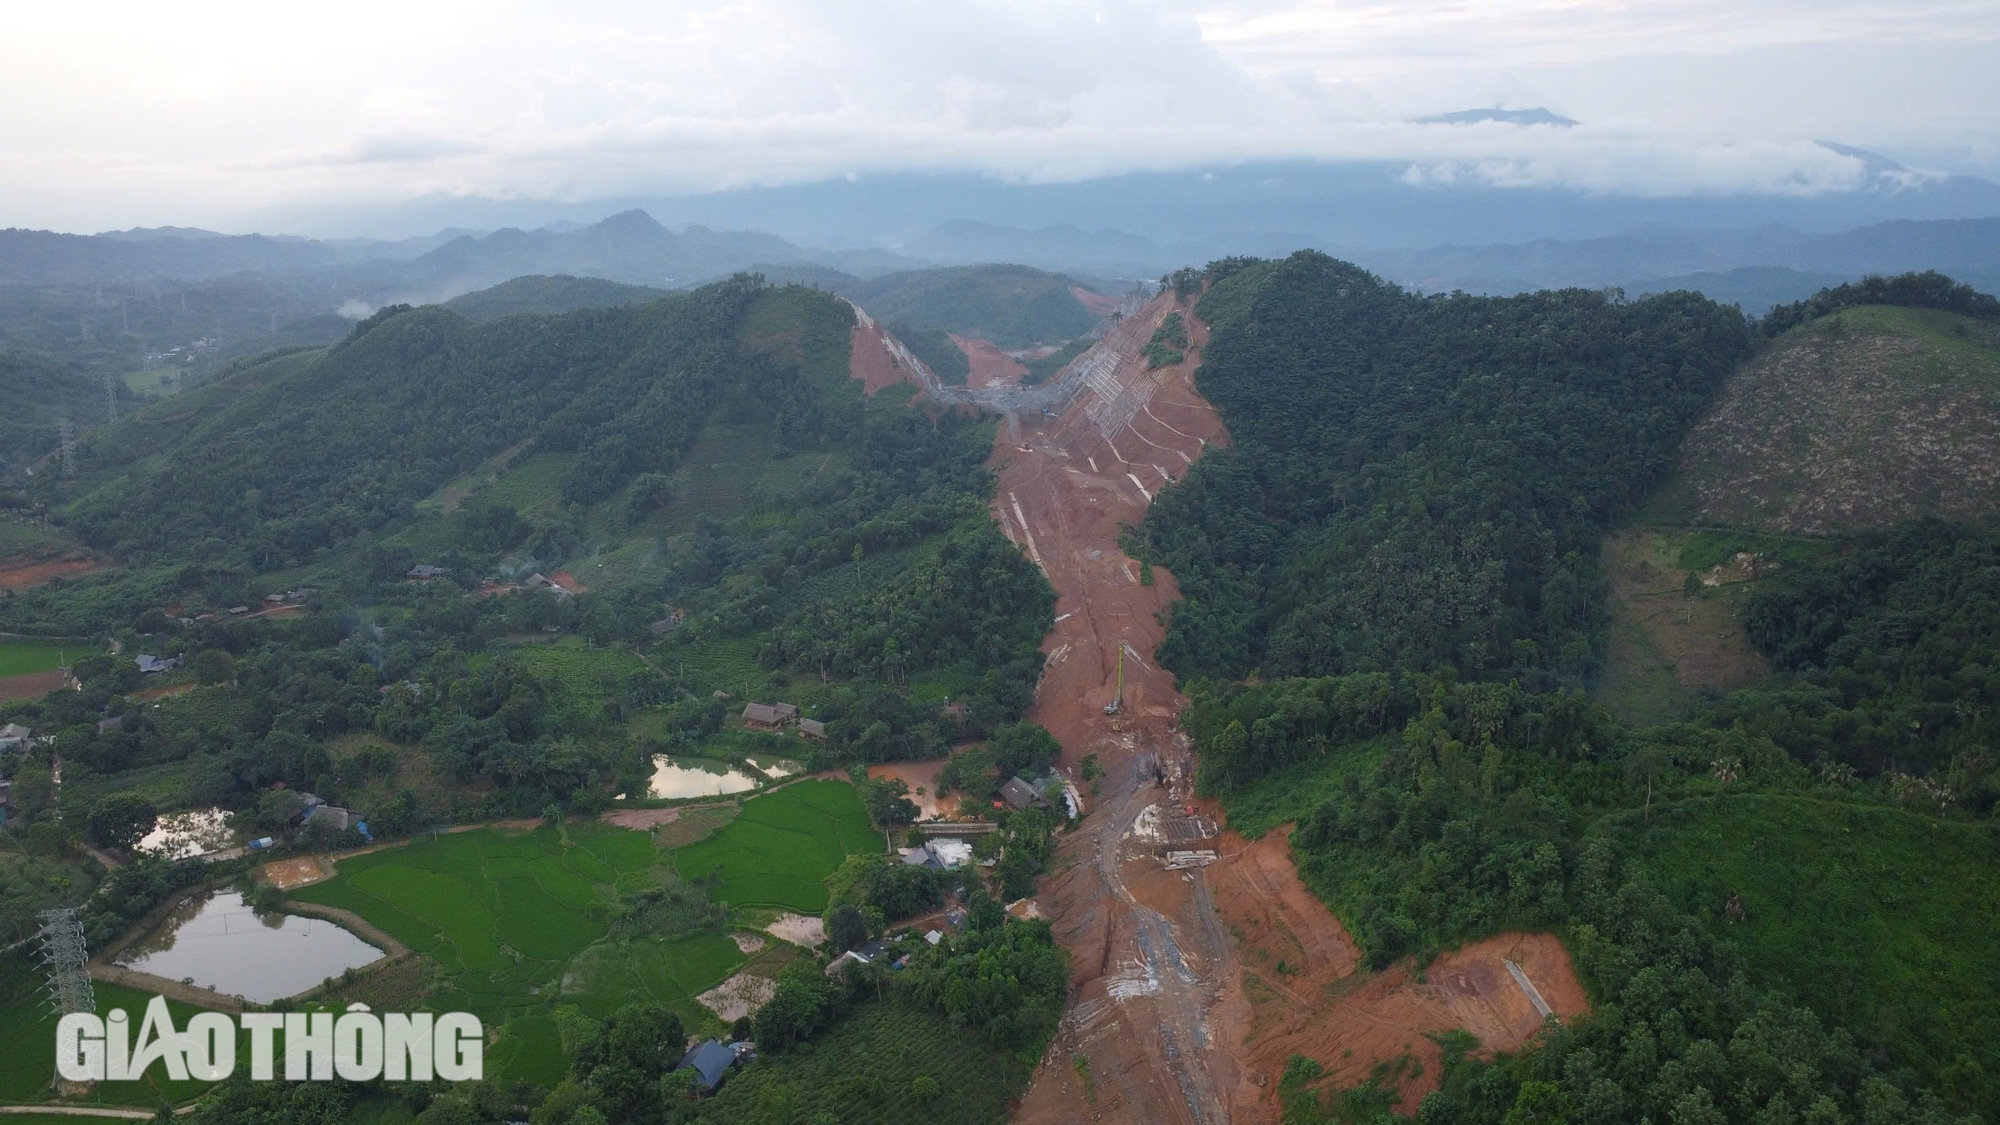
(1863, 418)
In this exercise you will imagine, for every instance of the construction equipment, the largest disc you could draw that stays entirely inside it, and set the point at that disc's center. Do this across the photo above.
(1118, 700)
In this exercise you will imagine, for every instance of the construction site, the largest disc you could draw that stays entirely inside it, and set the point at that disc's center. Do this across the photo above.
(1200, 963)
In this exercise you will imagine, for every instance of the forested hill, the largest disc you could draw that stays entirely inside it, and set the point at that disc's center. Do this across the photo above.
(539, 294)
(1420, 482)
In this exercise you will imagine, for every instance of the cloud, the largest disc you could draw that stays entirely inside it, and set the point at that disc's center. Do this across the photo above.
(209, 108)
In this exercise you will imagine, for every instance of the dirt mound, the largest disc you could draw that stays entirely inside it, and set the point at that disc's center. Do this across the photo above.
(20, 574)
(990, 366)
(1861, 419)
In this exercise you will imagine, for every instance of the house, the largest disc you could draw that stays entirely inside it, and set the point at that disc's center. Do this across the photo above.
(920, 857)
(14, 736)
(341, 819)
(786, 712)
(6, 801)
(116, 722)
(153, 664)
(956, 712)
(238, 610)
(956, 917)
(663, 626)
(860, 955)
(710, 1060)
(1020, 794)
(937, 855)
(762, 716)
(812, 728)
(274, 599)
(424, 572)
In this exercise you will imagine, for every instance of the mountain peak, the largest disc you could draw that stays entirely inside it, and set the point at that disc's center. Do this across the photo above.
(1535, 116)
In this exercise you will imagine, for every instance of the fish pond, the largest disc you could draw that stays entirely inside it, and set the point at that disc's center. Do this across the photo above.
(675, 778)
(216, 941)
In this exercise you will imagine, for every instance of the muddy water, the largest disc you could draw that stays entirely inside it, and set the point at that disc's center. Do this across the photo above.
(696, 777)
(217, 942)
(194, 832)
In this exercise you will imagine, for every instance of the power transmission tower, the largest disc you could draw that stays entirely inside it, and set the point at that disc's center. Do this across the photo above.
(111, 396)
(67, 432)
(63, 956)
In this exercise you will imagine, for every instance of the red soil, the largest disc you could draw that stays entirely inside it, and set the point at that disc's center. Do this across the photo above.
(33, 685)
(1096, 304)
(568, 582)
(990, 365)
(1176, 1001)
(918, 776)
(869, 359)
(22, 575)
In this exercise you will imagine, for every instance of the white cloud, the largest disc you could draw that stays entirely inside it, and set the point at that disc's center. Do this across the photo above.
(112, 113)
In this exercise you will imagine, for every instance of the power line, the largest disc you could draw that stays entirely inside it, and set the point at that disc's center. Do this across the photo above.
(66, 430)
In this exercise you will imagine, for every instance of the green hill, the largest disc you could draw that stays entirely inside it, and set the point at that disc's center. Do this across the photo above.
(547, 295)
(35, 391)
(1857, 419)
(1772, 874)
(1013, 306)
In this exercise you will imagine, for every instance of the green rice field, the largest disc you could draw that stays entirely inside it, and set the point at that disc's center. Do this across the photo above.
(28, 1042)
(19, 658)
(783, 846)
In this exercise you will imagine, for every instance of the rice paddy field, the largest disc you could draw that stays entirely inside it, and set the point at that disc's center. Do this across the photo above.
(781, 848)
(19, 658)
(509, 918)
(28, 1043)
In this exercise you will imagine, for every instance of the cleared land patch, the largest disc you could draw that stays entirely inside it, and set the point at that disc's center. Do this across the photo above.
(1860, 419)
(1668, 644)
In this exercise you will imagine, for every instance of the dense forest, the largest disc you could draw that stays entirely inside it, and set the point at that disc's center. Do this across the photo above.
(1764, 902)
(1013, 306)
(1417, 482)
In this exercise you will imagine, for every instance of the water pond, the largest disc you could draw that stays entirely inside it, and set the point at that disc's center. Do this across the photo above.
(215, 941)
(194, 832)
(701, 777)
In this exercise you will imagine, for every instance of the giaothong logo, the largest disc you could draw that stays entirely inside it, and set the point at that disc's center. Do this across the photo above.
(357, 1045)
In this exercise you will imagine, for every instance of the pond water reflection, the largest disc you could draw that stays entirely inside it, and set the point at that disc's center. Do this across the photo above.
(193, 832)
(218, 942)
(701, 777)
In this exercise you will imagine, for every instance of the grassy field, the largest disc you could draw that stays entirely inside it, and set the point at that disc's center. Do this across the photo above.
(18, 658)
(28, 1042)
(1878, 918)
(530, 485)
(867, 1069)
(781, 848)
(20, 534)
(613, 973)
(729, 663)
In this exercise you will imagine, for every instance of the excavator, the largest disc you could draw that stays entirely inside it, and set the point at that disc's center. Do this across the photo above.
(1118, 700)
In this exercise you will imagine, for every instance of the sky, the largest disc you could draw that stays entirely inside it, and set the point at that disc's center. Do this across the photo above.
(212, 112)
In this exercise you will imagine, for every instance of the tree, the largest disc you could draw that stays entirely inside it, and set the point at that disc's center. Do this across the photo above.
(214, 666)
(623, 1065)
(120, 821)
(845, 927)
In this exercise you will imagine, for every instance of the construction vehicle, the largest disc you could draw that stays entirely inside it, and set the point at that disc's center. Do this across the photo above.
(1118, 700)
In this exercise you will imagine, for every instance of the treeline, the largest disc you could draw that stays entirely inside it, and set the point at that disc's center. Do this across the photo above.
(1418, 482)
(1927, 290)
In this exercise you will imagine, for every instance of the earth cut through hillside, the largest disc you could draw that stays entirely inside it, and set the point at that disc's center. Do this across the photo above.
(1178, 1012)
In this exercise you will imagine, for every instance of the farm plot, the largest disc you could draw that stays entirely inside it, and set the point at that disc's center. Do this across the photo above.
(611, 974)
(585, 673)
(21, 658)
(781, 848)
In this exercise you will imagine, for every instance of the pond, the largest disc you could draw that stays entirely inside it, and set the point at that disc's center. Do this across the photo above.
(194, 832)
(702, 777)
(218, 942)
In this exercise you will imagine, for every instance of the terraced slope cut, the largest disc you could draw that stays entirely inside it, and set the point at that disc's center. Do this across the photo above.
(1859, 419)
